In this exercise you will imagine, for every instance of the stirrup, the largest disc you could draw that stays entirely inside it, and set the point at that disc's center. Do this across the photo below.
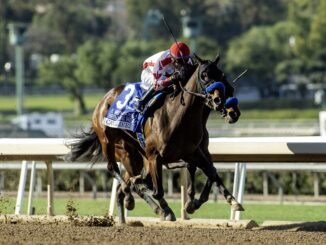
(137, 104)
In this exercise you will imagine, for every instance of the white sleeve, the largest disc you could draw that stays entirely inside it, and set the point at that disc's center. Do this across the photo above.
(147, 79)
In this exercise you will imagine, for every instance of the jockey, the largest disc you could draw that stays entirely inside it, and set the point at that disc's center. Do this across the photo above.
(161, 70)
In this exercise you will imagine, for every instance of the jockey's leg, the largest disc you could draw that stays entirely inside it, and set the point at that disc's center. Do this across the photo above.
(145, 98)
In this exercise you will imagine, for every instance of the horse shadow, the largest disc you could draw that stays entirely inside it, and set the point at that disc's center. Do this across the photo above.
(317, 226)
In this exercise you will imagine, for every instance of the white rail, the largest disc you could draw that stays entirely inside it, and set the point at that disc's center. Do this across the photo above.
(237, 150)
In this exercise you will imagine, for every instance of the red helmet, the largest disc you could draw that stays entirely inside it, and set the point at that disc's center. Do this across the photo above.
(178, 50)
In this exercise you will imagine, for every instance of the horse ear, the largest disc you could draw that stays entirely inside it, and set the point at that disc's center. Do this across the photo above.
(217, 59)
(200, 61)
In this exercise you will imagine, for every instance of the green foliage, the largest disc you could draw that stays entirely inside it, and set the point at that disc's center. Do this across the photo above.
(301, 13)
(205, 46)
(131, 57)
(317, 36)
(62, 73)
(74, 23)
(96, 62)
(258, 12)
(250, 34)
(246, 51)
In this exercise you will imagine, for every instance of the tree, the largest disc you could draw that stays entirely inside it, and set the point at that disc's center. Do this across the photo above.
(62, 73)
(309, 18)
(131, 57)
(11, 11)
(260, 12)
(252, 51)
(317, 35)
(301, 14)
(260, 50)
(71, 22)
(96, 62)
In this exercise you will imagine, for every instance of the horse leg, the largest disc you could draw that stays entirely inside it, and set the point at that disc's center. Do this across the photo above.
(108, 148)
(236, 206)
(129, 201)
(190, 206)
(168, 214)
(206, 165)
(120, 207)
(142, 193)
(194, 204)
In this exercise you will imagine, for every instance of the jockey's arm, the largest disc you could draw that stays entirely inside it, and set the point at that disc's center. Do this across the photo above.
(147, 79)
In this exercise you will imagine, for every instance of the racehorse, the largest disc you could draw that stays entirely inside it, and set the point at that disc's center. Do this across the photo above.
(174, 131)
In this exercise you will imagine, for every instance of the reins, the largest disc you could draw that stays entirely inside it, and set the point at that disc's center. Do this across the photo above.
(204, 96)
(193, 93)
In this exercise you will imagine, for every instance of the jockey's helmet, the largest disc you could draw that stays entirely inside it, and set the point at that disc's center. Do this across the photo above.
(179, 49)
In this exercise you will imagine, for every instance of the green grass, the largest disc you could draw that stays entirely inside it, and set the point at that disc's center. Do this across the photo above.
(63, 103)
(280, 114)
(257, 212)
(45, 103)
(60, 102)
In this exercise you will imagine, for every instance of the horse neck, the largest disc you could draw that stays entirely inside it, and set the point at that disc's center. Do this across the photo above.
(192, 104)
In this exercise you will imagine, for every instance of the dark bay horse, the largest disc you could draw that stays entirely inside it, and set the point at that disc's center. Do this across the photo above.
(175, 131)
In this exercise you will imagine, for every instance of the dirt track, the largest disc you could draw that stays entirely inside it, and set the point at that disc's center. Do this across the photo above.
(71, 234)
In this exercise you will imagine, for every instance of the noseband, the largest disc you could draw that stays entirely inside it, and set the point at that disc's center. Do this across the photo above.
(203, 86)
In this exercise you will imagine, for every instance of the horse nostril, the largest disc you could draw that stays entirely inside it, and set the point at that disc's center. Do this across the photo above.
(217, 101)
(233, 117)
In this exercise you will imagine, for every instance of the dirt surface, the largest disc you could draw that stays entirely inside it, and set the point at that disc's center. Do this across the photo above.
(72, 234)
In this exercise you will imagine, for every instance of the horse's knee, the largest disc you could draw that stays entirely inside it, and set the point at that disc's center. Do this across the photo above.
(212, 175)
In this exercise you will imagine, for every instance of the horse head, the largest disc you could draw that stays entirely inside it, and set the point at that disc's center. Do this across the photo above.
(219, 92)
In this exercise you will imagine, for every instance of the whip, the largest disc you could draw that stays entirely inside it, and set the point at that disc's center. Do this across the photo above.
(175, 40)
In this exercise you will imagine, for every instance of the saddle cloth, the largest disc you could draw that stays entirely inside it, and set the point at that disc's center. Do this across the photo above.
(122, 113)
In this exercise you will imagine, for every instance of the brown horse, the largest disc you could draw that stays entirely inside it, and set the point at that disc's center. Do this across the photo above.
(174, 131)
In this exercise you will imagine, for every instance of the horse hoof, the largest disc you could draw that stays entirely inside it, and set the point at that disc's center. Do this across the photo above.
(129, 202)
(170, 217)
(190, 207)
(237, 207)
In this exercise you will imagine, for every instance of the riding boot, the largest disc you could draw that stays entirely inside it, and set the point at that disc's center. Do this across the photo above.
(144, 99)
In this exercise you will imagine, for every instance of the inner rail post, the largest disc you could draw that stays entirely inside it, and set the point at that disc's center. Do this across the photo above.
(50, 188)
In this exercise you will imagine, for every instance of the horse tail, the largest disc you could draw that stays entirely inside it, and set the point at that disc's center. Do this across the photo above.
(86, 147)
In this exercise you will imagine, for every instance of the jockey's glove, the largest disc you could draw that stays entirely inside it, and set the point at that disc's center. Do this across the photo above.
(162, 83)
(175, 77)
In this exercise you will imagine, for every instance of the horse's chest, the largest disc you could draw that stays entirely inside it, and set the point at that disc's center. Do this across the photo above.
(180, 144)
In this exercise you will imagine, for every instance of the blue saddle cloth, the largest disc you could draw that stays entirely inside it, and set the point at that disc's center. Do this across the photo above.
(122, 113)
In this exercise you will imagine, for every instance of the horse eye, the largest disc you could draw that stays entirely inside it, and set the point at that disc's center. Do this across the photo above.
(204, 75)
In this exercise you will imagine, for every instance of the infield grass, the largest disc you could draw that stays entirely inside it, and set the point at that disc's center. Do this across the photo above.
(63, 103)
(210, 210)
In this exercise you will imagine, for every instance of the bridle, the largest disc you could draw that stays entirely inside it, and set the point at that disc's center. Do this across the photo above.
(201, 86)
